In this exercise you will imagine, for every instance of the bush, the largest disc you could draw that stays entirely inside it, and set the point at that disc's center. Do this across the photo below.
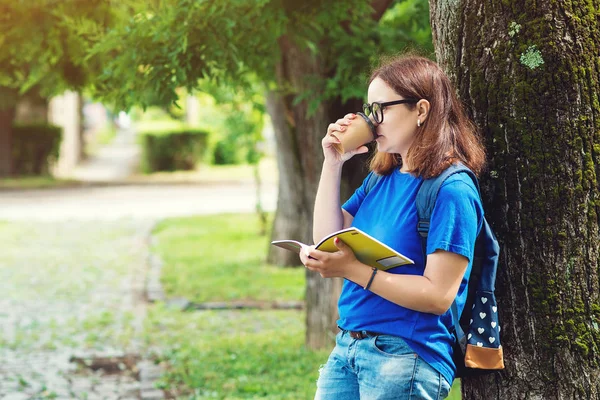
(35, 148)
(172, 150)
(226, 152)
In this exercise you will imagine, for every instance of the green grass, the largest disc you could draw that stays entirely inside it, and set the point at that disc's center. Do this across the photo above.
(455, 391)
(35, 182)
(234, 354)
(222, 258)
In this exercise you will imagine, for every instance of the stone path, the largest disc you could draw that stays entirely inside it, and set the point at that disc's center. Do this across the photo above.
(131, 201)
(70, 290)
(111, 163)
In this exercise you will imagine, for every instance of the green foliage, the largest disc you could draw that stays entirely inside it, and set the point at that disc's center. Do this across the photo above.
(405, 26)
(179, 43)
(238, 114)
(226, 152)
(172, 150)
(243, 131)
(45, 43)
(175, 43)
(35, 148)
(222, 257)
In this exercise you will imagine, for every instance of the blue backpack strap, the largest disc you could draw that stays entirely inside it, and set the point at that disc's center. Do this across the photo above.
(427, 195)
(372, 179)
(426, 198)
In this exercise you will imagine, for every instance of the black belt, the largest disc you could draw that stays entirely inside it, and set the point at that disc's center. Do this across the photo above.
(359, 335)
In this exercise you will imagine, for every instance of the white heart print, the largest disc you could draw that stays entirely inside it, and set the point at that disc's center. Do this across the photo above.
(479, 344)
(470, 322)
(482, 315)
(480, 330)
(470, 336)
(494, 308)
(493, 324)
(484, 300)
(492, 339)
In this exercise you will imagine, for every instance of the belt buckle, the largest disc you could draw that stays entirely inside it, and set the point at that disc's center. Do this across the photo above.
(357, 335)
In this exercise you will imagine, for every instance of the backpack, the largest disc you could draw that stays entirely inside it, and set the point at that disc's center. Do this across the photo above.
(477, 348)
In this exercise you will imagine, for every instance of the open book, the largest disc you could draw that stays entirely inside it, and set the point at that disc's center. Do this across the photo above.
(367, 249)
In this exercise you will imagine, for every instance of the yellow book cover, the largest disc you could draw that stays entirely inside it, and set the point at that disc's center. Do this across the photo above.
(367, 249)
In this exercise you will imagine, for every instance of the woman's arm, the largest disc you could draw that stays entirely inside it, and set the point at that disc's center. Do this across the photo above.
(432, 293)
(328, 215)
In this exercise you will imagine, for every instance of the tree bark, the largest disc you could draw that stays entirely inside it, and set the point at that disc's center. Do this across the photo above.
(32, 108)
(541, 124)
(7, 116)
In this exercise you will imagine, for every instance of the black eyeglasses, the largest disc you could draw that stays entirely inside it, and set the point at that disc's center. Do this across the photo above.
(377, 108)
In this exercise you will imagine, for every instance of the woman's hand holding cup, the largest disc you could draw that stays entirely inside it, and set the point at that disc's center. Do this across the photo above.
(332, 144)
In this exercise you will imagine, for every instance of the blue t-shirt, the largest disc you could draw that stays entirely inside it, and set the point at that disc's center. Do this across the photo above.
(389, 213)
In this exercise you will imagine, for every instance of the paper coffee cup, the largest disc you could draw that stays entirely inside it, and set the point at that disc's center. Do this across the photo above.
(360, 131)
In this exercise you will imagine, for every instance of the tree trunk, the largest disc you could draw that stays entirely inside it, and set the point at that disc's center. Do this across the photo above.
(541, 123)
(7, 116)
(299, 158)
(32, 108)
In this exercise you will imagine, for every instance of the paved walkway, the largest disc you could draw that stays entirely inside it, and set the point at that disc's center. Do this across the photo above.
(110, 196)
(72, 273)
(111, 163)
(70, 290)
(131, 201)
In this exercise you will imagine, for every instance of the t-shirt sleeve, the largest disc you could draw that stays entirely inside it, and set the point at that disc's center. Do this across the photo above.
(353, 203)
(456, 219)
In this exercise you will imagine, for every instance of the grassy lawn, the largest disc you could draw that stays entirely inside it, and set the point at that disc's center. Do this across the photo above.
(35, 182)
(230, 354)
(234, 354)
(222, 257)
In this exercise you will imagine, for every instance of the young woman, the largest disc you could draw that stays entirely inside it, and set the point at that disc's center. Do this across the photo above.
(395, 338)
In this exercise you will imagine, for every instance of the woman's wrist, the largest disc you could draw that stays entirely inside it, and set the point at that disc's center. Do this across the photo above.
(333, 166)
(360, 273)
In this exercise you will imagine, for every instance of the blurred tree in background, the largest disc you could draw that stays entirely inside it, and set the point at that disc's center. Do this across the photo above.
(45, 47)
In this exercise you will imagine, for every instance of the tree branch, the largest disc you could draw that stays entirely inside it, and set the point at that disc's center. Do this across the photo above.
(379, 8)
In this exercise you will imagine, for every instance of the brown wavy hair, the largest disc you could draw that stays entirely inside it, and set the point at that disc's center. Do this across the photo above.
(446, 136)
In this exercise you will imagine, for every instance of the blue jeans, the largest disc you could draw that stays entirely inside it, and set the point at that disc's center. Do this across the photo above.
(378, 367)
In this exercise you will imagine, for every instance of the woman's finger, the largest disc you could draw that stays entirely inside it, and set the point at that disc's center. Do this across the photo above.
(330, 138)
(343, 121)
(335, 127)
(350, 116)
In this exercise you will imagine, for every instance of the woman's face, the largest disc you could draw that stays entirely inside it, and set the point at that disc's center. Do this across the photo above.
(397, 131)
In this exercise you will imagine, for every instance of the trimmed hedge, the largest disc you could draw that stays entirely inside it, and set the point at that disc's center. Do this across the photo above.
(226, 152)
(172, 150)
(35, 148)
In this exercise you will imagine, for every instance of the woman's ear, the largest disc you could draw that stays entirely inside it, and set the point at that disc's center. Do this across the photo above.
(423, 107)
